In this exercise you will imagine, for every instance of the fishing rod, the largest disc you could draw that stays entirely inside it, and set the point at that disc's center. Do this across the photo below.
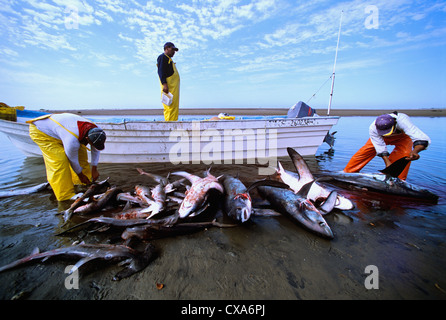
(334, 66)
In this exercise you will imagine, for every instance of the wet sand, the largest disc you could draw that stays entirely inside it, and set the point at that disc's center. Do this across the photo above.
(269, 258)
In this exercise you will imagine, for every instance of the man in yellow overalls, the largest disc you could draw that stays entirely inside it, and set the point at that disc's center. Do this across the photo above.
(170, 81)
(62, 138)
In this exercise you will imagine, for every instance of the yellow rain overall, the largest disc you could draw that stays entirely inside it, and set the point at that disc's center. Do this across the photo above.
(60, 175)
(173, 82)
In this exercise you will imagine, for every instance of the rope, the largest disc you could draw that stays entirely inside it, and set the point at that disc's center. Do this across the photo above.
(319, 89)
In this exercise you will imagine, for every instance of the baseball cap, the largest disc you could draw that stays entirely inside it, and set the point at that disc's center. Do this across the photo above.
(170, 45)
(385, 124)
(97, 137)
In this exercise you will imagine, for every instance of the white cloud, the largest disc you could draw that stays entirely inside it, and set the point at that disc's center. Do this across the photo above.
(106, 60)
(114, 6)
(252, 40)
(8, 52)
(35, 36)
(32, 78)
(104, 16)
(193, 24)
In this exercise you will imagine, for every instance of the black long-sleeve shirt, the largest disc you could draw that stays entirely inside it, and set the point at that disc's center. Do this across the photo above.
(165, 68)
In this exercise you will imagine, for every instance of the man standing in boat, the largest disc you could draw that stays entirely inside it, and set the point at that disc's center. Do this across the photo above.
(390, 129)
(170, 82)
(63, 138)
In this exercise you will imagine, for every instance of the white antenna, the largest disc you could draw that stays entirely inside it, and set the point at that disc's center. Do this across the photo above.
(334, 66)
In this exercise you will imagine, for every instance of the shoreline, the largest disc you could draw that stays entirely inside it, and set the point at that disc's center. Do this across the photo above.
(434, 112)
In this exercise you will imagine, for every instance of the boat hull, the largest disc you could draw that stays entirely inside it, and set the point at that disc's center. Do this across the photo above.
(211, 142)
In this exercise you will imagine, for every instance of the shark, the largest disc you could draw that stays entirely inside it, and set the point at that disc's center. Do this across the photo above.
(135, 260)
(385, 181)
(238, 202)
(95, 188)
(195, 201)
(299, 209)
(317, 191)
(24, 191)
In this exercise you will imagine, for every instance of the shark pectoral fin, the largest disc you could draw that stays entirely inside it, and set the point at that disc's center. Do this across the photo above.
(127, 206)
(81, 262)
(395, 169)
(303, 192)
(329, 203)
(125, 262)
(200, 210)
(218, 186)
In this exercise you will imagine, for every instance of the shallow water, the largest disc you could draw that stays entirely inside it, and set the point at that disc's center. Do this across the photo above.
(268, 258)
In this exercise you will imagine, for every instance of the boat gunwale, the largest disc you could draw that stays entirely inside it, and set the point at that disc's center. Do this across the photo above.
(221, 123)
(267, 118)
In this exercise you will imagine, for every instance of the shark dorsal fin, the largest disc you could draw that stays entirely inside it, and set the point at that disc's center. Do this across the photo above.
(300, 165)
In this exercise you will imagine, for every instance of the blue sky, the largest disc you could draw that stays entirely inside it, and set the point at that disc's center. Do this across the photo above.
(65, 54)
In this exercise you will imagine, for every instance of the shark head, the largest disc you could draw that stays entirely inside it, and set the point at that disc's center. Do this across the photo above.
(186, 208)
(241, 208)
(313, 220)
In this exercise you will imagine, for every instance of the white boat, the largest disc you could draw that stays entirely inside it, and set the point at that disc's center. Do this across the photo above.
(252, 140)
